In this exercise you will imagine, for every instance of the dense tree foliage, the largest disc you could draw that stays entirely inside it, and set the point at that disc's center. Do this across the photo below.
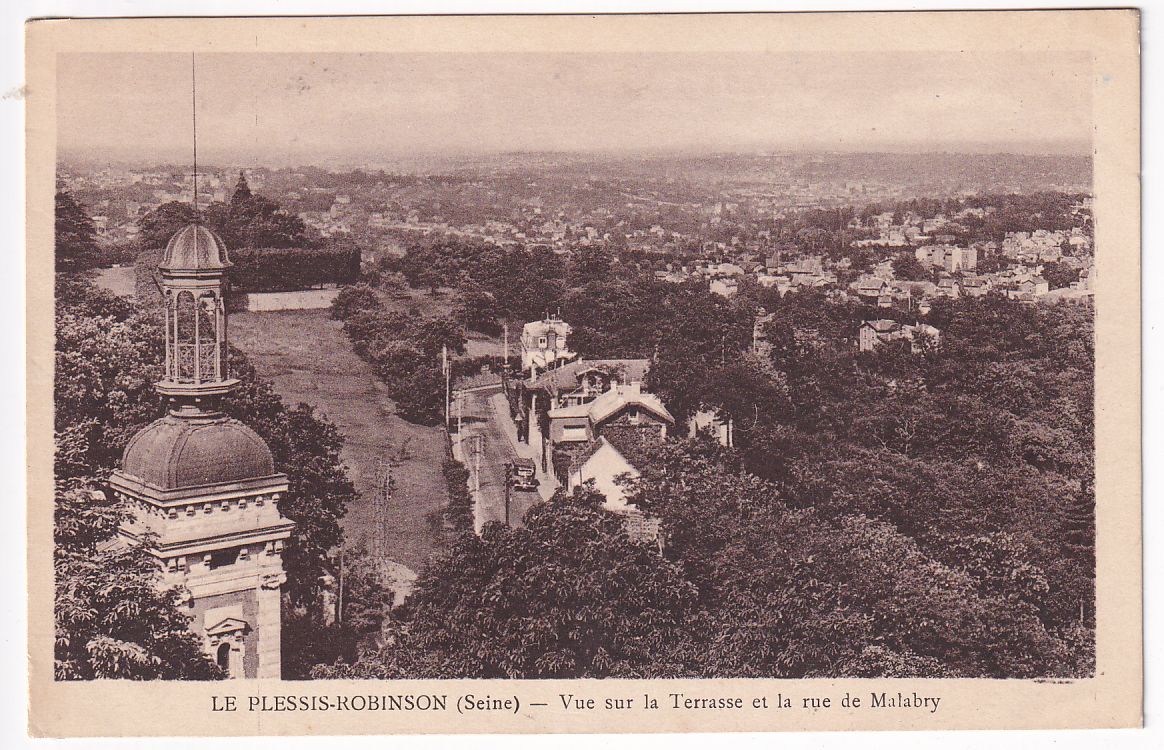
(251, 220)
(907, 267)
(459, 511)
(405, 347)
(1059, 275)
(523, 283)
(269, 247)
(312, 636)
(810, 592)
(158, 226)
(354, 299)
(568, 595)
(76, 236)
(266, 269)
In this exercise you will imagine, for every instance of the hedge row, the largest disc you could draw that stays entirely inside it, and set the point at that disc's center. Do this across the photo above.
(281, 269)
(459, 512)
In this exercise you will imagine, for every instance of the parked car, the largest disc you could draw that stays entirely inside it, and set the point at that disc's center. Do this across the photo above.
(523, 474)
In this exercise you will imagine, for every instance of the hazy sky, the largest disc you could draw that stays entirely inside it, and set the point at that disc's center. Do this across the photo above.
(302, 109)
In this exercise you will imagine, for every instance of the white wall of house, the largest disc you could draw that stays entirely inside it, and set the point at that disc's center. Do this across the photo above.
(603, 468)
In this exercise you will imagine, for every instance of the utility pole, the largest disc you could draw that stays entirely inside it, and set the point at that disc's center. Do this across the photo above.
(508, 482)
(339, 599)
(480, 448)
(446, 368)
(505, 346)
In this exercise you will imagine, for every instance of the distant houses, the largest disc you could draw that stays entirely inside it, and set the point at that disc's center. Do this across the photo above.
(950, 258)
(872, 289)
(873, 333)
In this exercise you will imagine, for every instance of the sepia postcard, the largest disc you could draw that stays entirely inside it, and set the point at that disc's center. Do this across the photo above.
(629, 373)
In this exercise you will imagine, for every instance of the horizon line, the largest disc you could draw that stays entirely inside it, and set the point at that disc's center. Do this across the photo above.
(1010, 149)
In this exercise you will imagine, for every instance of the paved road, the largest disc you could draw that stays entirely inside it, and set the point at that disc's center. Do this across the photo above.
(486, 423)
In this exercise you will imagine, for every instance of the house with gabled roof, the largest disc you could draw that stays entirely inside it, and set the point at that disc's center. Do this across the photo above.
(543, 344)
(584, 422)
(571, 384)
(871, 288)
(607, 463)
(976, 286)
(949, 287)
(875, 332)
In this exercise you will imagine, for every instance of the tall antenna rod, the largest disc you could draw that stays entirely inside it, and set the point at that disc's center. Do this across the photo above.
(194, 117)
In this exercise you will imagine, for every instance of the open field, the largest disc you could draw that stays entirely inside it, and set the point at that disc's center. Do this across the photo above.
(307, 358)
(119, 280)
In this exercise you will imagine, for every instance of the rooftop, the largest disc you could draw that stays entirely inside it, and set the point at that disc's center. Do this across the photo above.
(174, 453)
(567, 376)
(195, 248)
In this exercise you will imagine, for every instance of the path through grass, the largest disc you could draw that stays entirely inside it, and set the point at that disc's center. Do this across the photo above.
(307, 358)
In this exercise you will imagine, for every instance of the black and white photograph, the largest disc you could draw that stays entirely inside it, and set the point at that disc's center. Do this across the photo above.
(576, 365)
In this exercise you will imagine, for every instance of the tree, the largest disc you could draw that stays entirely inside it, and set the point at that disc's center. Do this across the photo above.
(259, 222)
(568, 595)
(76, 236)
(113, 618)
(159, 225)
(353, 299)
(590, 263)
(797, 593)
(1059, 275)
(312, 637)
(405, 348)
(394, 285)
(242, 190)
(906, 266)
(479, 311)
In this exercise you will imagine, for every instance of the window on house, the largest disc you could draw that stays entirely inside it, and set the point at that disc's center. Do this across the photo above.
(576, 432)
(542, 342)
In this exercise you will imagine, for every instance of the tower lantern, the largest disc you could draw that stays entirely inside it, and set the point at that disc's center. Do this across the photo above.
(202, 487)
(192, 279)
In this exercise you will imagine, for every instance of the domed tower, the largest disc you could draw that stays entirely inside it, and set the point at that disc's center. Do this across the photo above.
(203, 487)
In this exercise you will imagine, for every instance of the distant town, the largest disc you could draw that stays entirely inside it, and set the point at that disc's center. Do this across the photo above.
(726, 236)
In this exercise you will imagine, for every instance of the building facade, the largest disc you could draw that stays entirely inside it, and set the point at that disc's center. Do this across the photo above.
(543, 345)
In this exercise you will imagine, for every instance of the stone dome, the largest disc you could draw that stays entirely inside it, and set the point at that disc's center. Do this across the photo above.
(195, 248)
(174, 453)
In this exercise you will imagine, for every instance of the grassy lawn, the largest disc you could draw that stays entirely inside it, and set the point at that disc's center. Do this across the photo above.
(308, 359)
(119, 280)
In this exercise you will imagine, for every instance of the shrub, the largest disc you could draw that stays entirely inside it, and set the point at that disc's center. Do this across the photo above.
(354, 299)
(271, 269)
